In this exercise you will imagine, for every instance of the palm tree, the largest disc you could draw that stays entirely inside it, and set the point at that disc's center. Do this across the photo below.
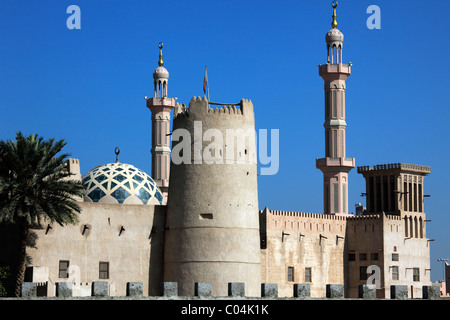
(34, 186)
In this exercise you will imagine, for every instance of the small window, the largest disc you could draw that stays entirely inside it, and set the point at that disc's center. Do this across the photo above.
(103, 270)
(362, 273)
(63, 267)
(395, 257)
(395, 273)
(308, 275)
(206, 216)
(351, 257)
(416, 274)
(291, 274)
(362, 256)
(374, 256)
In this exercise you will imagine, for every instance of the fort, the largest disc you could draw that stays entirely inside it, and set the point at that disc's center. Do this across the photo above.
(193, 228)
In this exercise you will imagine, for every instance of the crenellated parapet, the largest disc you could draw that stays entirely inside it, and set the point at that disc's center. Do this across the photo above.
(396, 166)
(366, 217)
(303, 215)
(215, 132)
(302, 221)
(180, 110)
(393, 217)
(395, 187)
(230, 109)
(201, 106)
(289, 220)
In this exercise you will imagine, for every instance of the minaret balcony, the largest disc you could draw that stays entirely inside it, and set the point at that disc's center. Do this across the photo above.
(340, 68)
(160, 102)
(332, 164)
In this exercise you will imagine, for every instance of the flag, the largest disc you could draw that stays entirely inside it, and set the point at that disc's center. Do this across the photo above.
(205, 81)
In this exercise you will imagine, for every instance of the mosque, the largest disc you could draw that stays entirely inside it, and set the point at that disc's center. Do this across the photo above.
(194, 220)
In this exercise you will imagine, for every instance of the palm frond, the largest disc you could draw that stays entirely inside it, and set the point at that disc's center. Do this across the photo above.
(33, 181)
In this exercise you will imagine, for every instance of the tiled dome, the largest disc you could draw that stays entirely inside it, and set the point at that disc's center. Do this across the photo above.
(120, 183)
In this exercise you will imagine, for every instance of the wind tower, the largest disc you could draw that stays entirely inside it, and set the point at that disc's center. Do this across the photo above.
(335, 166)
(161, 106)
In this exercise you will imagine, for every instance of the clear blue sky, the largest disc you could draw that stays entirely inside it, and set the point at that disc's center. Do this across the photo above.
(87, 86)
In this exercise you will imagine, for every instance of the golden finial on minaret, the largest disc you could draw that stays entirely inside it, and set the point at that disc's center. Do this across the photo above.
(160, 62)
(334, 23)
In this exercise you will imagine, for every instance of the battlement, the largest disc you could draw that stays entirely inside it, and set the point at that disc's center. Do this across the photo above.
(232, 108)
(364, 217)
(301, 221)
(406, 167)
(180, 110)
(304, 215)
(375, 216)
(199, 105)
(72, 166)
(393, 217)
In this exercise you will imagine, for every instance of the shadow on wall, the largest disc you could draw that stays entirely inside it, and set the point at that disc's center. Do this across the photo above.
(156, 239)
(9, 253)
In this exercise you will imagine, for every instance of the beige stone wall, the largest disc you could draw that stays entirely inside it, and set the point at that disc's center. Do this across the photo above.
(385, 235)
(364, 240)
(413, 253)
(135, 254)
(398, 190)
(303, 240)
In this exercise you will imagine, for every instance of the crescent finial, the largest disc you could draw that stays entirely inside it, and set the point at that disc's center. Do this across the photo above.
(160, 62)
(334, 23)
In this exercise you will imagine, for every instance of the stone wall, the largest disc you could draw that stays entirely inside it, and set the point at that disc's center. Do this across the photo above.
(203, 290)
(212, 230)
(129, 238)
(302, 248)
(364, 248)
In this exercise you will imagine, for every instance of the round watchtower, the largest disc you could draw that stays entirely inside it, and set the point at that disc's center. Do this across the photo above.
(212, 226)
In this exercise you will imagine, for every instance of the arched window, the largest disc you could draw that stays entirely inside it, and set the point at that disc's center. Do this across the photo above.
(410, 226)
(406, 227)
(164, 89)
(420, 227)
(416, 231)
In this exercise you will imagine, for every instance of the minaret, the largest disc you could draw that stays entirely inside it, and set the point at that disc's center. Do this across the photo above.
(335, 166)
(161, 106)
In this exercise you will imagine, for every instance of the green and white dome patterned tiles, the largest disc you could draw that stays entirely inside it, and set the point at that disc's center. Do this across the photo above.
(120, 183)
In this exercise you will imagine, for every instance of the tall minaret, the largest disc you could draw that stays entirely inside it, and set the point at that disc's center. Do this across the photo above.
(335, 166)
(161, 107)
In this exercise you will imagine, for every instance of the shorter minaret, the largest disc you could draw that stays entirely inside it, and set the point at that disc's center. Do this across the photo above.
(161, 106)
(335, 166)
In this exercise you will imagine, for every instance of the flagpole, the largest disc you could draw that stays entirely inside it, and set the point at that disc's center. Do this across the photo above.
(205, 82)
(207, 86)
